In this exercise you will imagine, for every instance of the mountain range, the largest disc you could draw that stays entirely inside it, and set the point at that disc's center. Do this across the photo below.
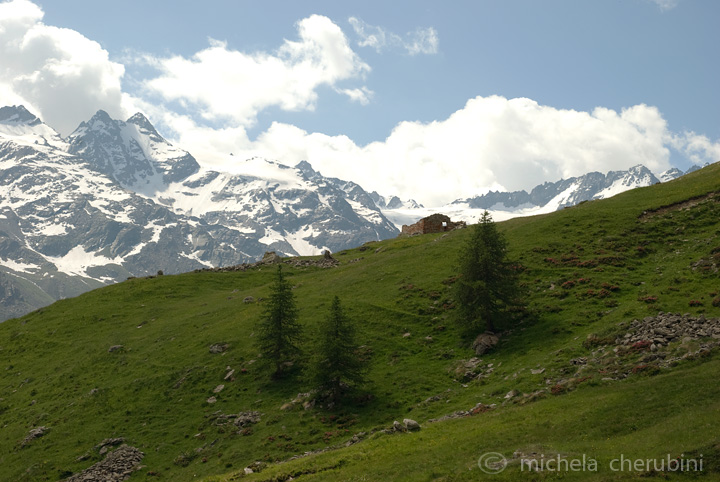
(115, 199)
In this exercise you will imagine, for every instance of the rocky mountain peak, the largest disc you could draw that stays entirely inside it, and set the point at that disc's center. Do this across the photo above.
(100, 120)
(305, 167)
(18, 114)
(143, 123)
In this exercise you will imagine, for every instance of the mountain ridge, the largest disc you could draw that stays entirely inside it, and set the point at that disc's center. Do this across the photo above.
(115, 199)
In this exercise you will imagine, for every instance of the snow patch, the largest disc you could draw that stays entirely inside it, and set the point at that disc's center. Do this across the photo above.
(19, 266)
(77, 261)
(300, 242)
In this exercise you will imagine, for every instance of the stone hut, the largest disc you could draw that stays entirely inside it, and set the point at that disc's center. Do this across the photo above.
(435, 223)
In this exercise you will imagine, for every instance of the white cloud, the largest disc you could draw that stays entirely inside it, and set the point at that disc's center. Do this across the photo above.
(227, 84)
(698, 148)
(666, 5)
(361, 95)
(420, 41)
(57, 73)
(491, 143)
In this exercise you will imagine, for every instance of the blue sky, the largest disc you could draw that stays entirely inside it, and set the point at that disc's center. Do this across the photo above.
(403, 97)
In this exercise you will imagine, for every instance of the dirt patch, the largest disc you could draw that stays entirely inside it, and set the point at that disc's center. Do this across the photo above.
(688, 203)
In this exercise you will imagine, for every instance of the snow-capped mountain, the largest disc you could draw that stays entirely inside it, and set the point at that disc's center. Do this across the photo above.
(131, 153)
(544, 198)
(671, 174)
(394, 202)
(115, 199)
(566, 192)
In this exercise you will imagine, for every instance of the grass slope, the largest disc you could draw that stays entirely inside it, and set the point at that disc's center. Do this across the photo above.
(587, 269)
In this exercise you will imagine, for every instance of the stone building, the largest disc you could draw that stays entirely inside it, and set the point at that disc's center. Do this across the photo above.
(435, 223)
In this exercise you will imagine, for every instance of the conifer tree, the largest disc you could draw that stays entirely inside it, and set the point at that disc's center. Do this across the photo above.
(488, 283)
(279, 331)
(337, 365)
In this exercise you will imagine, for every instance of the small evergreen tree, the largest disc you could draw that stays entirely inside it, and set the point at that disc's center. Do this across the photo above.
(279, 331)
(337, 365)
(488, 283)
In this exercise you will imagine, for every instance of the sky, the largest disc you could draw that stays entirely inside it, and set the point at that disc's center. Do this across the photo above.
(428, 100)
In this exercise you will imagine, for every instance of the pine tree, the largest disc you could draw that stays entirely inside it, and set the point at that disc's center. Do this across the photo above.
(279, 331)
(337, 365)
(488, 283)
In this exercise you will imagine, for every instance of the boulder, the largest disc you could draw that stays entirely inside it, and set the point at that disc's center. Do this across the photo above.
(34, 434)
(271, 257)
(485, 342)
(411, 425)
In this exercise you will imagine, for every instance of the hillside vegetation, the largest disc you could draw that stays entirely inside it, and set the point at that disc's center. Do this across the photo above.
(144, 360)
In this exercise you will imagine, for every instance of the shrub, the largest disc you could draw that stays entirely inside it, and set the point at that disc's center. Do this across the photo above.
(641, 345)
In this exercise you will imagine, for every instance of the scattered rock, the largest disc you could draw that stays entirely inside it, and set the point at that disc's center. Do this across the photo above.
(254, 468)
(537, 371)
(241, 420)
(34, 434)
(218, 348)
(668, 327)
(229, 375)
(117, 466)
(355, 439)
(115, 348)
(472, 369)
(211, 400)
(511, 394)
(477, 409)
(244, 419)
(218, 389)
(248, 299)
(406, 335)
(398, 427)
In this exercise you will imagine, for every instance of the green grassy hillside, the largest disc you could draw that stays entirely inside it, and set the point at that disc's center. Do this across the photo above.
(134, 360)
